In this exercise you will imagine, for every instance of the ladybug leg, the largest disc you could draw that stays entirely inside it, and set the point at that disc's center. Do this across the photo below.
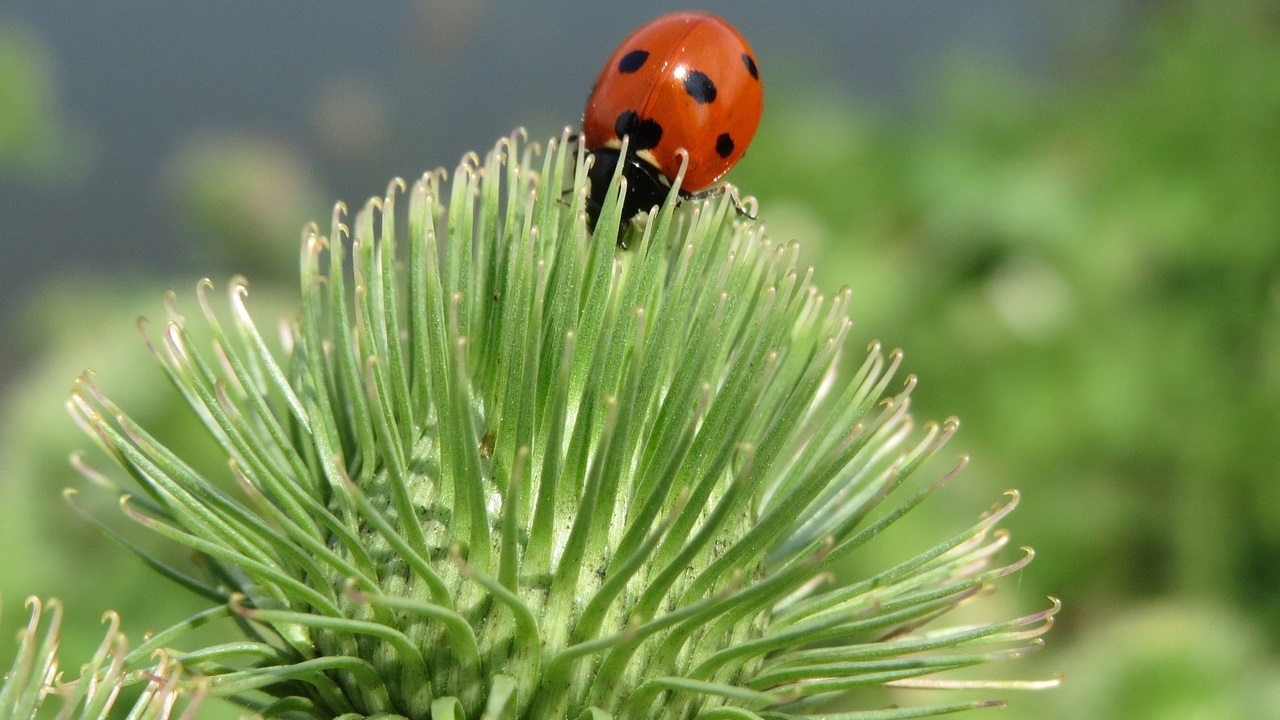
(746, 209)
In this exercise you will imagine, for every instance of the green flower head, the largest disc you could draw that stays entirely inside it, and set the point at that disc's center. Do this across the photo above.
(501, 468)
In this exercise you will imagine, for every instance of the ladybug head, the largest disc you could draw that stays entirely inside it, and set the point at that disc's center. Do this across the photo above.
(646, 187)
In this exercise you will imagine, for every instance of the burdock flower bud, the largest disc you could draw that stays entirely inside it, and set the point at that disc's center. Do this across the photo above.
(497, 467)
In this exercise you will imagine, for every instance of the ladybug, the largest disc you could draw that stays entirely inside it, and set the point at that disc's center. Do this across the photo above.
(687, 80)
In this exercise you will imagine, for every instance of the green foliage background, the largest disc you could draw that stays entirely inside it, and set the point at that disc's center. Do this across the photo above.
(1088, 277)
(1092, 281)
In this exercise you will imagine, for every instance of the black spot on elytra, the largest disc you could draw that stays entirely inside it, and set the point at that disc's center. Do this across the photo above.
(633, 61)
(751, 66)
(724, 145)
(644, 133)
(700, 87)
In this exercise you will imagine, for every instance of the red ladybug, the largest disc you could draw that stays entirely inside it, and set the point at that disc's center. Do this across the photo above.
(684, 80)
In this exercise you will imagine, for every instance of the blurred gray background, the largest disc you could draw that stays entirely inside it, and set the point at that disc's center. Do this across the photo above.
(142, 91)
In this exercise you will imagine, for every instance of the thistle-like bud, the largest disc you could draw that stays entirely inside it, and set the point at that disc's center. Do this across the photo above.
(500, 468)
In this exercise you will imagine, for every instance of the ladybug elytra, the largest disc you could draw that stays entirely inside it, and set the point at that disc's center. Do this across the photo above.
(686, 80)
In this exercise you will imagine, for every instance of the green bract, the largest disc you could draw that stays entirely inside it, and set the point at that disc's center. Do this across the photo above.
(504, 469)
(33, 683)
